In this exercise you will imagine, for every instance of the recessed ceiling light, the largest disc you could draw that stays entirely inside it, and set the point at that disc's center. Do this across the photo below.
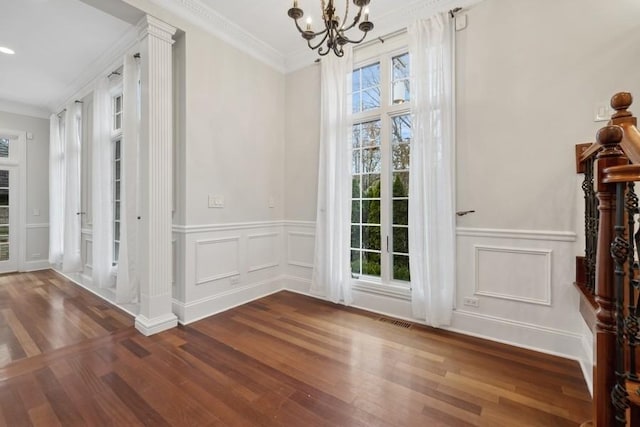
(6, 50)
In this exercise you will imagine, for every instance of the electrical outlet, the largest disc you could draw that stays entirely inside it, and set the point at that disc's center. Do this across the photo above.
(471, 302)
(35, 255)
(234, 280)
(216, 201)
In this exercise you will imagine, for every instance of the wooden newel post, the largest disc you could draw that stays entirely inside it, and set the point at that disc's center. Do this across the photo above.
(604, 377)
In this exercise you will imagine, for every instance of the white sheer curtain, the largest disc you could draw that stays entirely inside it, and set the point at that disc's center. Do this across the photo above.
(71, 258)
(101, 178)
(432, 174)
(332, 268)
(127, 282)
(56, 190)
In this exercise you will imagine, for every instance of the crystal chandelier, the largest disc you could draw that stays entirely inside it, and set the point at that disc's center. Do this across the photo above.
(333, 37)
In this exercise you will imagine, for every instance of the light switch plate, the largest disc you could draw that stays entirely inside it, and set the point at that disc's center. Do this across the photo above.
(216, 201)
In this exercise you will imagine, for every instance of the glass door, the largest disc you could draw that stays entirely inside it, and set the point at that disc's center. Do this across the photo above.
(8, 211)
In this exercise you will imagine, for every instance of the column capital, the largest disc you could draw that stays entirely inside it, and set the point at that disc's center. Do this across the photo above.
(152, 26)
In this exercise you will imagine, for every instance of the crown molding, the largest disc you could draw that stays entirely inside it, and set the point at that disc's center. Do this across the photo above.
(205, 17)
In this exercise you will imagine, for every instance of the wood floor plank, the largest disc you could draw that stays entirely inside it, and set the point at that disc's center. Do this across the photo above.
(284, 360)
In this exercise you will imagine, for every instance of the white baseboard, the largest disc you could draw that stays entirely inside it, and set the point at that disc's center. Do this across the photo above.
(520, 334)
(196, 310)
(156, 325)
(37, 265)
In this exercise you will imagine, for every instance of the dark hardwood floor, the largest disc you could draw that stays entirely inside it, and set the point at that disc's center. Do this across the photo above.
(284, 360)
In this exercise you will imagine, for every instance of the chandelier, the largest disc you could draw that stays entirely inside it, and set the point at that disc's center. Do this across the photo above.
(333, 37)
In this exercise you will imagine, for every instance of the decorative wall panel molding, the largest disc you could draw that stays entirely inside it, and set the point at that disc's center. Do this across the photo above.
(515, 274)
(217, 259)
(263, 251)
(300, 248)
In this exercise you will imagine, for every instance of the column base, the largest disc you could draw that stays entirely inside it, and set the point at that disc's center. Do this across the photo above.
(158, 324)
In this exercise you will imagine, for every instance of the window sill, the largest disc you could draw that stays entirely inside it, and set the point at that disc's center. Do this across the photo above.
(388, 290)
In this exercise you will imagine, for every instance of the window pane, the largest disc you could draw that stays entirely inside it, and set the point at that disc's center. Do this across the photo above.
(371, 161)
(401, 212)
(355, 236)
(401, 268)
(355, 211)
(117, 153)
(371, 75)
(4, 179)
(370, 133)
(401, 129)
(116, 231)
(401, 66)
(118, 122)
(371, 186)
(118, 169)
(355, 186)
(401, 184)
(356, 136)
(4, 197)
(117, 191)
(355, 262)
(401, 239)
(117, 211)
(4, 252)
(371, 211)
(4, 216)
(4, 234)
(355, 162)
(400, 84)
(4, 147)
(370, 98)
(400, 154)
(371, 264)
(116, 252)
(371, 237)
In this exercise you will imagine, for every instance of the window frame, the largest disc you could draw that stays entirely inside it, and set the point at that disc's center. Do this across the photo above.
(116, 138)
(385, 284)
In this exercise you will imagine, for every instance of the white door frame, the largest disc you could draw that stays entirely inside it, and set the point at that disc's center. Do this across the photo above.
(18, 160)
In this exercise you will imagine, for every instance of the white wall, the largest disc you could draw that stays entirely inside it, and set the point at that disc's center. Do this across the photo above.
(529, 75)
(37, 233)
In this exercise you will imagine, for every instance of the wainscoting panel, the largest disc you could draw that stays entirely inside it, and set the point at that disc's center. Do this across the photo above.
(223, 265)
(217, 259)
(515, 274)
(263, 251)
(36, 252)
(300, 248)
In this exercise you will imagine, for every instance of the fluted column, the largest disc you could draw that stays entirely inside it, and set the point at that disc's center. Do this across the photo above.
(156, 163)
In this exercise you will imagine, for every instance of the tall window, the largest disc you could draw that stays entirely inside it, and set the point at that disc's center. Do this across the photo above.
(116, 141)
(380, 169)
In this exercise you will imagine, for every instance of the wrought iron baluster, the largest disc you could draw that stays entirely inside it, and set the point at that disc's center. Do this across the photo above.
(591, 226)
(631, 319)
(620, 254)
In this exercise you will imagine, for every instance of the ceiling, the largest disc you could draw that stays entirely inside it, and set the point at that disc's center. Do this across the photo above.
(57, 42)
(62, 45)
(267, 20)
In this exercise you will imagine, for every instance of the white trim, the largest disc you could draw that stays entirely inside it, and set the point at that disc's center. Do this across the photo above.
(199, 309)
(36, 265)
(558, 236)
(289, 257)
(37, 226)
(386, 290)
(205, 17)
(546, 253)
(519, 334)
(147, 326)
(230, 273)
(210, 228)
(295, 223)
